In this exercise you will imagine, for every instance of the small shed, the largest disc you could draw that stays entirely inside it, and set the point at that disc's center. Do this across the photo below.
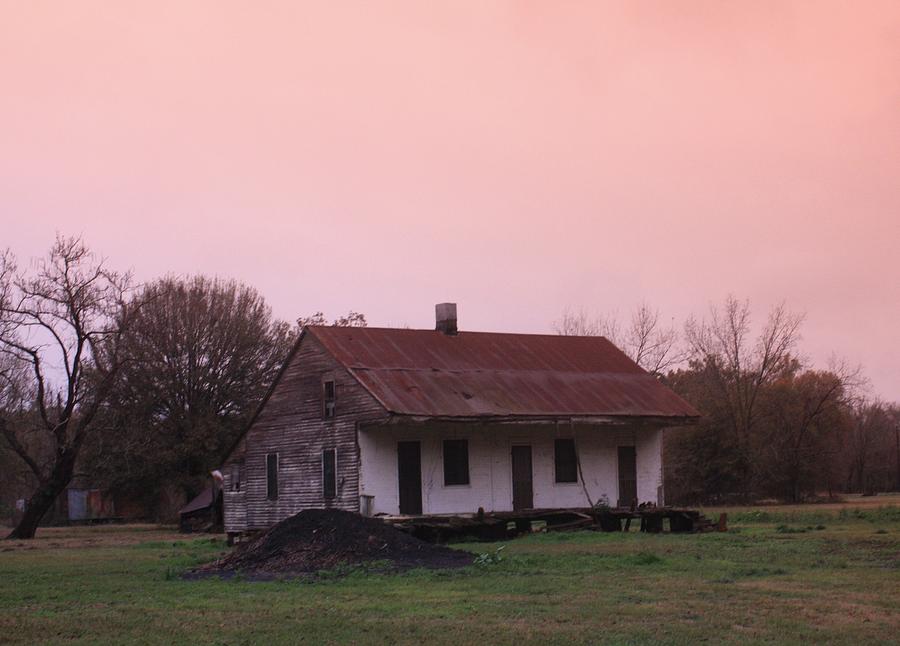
(86, 503)
(203, 513)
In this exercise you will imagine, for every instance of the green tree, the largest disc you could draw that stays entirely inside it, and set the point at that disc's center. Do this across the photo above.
(203, 352)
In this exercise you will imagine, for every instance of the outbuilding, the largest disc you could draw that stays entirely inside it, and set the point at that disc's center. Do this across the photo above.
(412, 422)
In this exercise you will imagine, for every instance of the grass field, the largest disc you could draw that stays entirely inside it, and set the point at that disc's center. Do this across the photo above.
(815, 574)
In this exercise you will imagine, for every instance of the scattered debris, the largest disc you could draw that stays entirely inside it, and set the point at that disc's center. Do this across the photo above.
(317, 540)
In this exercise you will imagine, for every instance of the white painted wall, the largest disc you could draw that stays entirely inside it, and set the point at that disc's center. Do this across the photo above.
(490, 472)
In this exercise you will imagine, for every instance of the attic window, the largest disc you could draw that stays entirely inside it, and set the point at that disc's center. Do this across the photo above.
(456, 462)
(328, 398)
(235, 477)
(566, 461)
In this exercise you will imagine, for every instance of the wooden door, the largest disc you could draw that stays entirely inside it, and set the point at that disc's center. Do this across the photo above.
(627, 476)
(523, 488)
(409, 472)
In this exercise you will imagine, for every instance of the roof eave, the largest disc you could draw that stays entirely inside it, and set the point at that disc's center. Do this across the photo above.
(594, 420)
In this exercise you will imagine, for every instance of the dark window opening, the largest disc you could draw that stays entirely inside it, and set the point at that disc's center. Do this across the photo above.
(456, 462)
(272, 476)
(627, 477)
(566, 461)
(235, 477)
(329, 473)
(328, 398)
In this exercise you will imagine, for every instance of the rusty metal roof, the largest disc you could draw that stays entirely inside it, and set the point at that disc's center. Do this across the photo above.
(485, 374)
(204, 500)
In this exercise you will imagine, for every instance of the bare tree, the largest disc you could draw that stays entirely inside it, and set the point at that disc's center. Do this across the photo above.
(580, 323)
(654, 346)
(64, 321)
(803, 414)
(352, 319)
(737, 368)
(872, 446)
(651, 344)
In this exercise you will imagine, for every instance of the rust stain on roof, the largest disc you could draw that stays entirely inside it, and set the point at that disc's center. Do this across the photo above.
(485, 374)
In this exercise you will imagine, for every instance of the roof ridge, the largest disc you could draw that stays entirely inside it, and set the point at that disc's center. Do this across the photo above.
(461, 333)
(359, 366)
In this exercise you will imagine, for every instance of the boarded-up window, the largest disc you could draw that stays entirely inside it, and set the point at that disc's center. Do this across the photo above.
(566, 462)
(235, 477)
(329, 473)
(456, 462)
(328, 398)
(272, 476)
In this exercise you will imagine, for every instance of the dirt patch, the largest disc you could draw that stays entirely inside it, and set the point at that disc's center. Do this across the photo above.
(318, 540)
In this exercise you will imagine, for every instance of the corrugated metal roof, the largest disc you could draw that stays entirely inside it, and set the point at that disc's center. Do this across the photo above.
(484, 374)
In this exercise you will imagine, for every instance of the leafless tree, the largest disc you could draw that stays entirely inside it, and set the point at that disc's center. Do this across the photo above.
(651, 344)
(872, 446)
(65, 318)
(739, 365)
(736, 367)
(352, 319)
(580, 323)
(803, 415)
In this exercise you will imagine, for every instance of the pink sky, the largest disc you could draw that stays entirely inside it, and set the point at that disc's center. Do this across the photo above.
(515, 157)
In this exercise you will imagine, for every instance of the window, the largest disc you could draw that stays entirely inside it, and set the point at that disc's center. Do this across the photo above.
(272, 476)
(328, 398)
(235, 477)
(566, 461)
(456, 462)
(329, 473)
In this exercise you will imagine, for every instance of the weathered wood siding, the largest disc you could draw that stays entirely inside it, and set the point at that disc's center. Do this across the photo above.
(291, 424)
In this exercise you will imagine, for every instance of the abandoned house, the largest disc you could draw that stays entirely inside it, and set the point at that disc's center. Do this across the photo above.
(410, 422)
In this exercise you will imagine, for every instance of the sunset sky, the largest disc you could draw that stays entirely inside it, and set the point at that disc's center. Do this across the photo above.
(514, 157)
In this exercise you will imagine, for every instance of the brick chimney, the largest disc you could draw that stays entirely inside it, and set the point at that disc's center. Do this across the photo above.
(445, 318)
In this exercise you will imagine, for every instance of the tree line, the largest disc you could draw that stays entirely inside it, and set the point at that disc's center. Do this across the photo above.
(772, 424)
(143, 387)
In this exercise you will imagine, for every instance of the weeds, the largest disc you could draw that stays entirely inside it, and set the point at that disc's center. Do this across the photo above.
(490, 558)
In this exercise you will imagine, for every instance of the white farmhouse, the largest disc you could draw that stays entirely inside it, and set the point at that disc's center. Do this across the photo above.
(398, 421)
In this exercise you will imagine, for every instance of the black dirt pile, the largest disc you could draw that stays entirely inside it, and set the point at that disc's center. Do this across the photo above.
(324, 539)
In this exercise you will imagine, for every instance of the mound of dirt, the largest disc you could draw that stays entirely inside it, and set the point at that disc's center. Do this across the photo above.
(322, 539)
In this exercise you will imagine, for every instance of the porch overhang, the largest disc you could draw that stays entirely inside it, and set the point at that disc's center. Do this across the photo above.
(616, 421)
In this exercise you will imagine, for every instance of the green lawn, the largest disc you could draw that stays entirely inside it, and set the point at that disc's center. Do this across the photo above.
(795, 575)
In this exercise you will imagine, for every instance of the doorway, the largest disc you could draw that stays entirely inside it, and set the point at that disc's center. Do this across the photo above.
(523, 486)
(627, 476)
(409, 475)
